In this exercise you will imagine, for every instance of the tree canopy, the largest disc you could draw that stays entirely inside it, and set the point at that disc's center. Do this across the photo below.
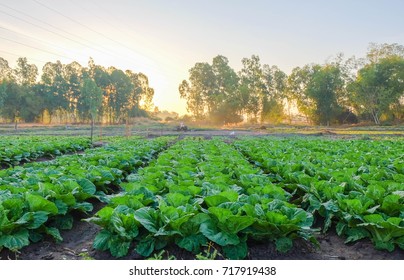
(72, 92)
(336, 92)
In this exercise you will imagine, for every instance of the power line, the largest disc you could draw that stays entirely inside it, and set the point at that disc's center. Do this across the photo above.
(104, 20)
(42, 50)
(99, 6)
(89, 28)
(43, 28)
(10, 53)
(51, 31)
(81, 24)
(110, 24)
(71, 19)
(34, 38)
(89, 45)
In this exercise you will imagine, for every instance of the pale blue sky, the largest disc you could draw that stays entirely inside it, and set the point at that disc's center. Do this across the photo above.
(164, 39)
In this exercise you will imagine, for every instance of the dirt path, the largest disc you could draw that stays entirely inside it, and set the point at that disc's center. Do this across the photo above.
(258, 133)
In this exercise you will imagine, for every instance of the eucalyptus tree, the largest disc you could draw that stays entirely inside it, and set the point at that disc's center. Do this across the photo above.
(376, 52)
(324, 88)
(13, 101)
(317, 89)
(18, 97)
(194, 98)
(379, 88)
(102, 78)
(272, 102)
(253, 90)
(55, 88)
(212, 92)
(90, 101)
(73, 76)
(5, 77)
(25, 74)
(120, 90)
(226, 100)
(141, 84)
(199, 91)
(6, 72)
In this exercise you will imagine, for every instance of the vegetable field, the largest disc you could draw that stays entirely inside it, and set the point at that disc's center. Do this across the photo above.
(210, 198)
(17, 150)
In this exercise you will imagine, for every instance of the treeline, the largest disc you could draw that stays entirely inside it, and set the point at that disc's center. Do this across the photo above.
(72, 93)
(337, 92)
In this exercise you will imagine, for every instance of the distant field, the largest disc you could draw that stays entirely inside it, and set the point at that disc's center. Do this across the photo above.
(145, 127)
(140, 128)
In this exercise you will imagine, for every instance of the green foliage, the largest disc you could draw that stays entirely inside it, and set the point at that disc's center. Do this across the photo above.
(378, 86)
(86, 256)
(23, 149)
(72, 90)
(216, 92)
(15, 241)
(205, 191)
(210, 253)
(90, 99)
(38, 199)
(319, 91)
(160, 256)
(355, 185)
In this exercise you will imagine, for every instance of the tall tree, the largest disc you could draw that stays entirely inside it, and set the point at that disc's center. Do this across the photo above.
(379, 87)
(3, 93)
(376, 52)
(199, 92)
(56, 87)
(101, 77)
(90, 101)
(13, 104)
(141, 96)
(20, 100)
(121, 87)
(135, 95)
(324, 89)
(59, 91)
(253, 89)
(73, 75)
(6, 73)
(25, 73)
(317, 90)
(226, 106)
(141, 84)
(295, 87)
(275, 82)
(5, 76)
(212, 92)
(195, 102)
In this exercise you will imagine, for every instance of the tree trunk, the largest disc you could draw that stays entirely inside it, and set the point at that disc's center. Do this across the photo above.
(101, 131)
(289, 113)
(375, 117)
(127, 128)
(92, 129)
(15, 123)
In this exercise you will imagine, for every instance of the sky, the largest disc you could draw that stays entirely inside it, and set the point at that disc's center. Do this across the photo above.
(165, 38)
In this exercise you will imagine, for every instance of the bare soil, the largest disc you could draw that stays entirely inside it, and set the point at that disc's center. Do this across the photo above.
(327, 134)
